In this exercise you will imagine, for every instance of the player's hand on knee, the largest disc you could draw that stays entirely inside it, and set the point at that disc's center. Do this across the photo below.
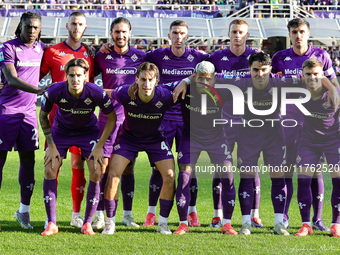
(52, 155)
(98, 157)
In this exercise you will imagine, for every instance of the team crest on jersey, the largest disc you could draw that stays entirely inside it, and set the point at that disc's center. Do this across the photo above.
(298, 159)
(104, 94)
(116, 147)
(159, 104)
(133, 103)
(225, 58)
(166, 57)
(270, 91)
(180, 155)
(62, 53)
(1, 141)
(283, 78)
(288, 59)
(134, 58)
(62, 68)
(63, 100)
(109, 57)
(239, 161)
(18, 49)
(190, 58)
(325, 105)
(87, 101)
(85, 54)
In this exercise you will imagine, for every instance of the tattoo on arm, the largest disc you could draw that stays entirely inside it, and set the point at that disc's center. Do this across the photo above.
(45, 126)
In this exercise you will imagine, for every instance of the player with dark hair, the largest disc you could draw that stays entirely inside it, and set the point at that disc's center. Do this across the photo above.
(118, 68)
(20, 65)
(54, 61)
(234, 61)
(140, 132)
(320, 135)
(174, 63)
(75, 124)
(289, 62)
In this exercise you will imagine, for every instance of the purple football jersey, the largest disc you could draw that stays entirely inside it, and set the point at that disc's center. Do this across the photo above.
(27, 64)
(227, 63)
(172, 68)
(289, 63)
(324, 124)
(118, 70)
(76, 114)
(142, 120)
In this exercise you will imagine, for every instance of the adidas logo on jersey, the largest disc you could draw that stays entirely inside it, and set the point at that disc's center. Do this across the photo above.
(133, 103)
(87, 101)
(190, 58)
(109, 57)
(166, 57)
(225, 58)
(63, 100)
(159, 104)
(18, 49)
(62, 53)
(134, 58)
(287, 59)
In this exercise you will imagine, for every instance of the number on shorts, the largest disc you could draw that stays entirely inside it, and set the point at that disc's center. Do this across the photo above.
(226, 152)
(94, 142)
(35, 134)
(164, 146)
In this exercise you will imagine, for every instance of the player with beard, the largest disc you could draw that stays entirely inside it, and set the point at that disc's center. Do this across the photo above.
(20, 60)
(118, 68)
(54, 61)
(289, 62)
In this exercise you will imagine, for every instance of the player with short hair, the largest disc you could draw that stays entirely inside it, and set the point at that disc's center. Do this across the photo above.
(140, 132)
(75, 124)
(200, 135)
(20, 65)
(174, 63)
(234, 61)
(289, 62)
(118, 68)
(320, 135)
(54, 61)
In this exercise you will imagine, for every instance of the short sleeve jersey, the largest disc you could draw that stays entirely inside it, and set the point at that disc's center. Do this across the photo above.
(26, 61)
(142, 120)
(173, 68)
(56, 57)
(76, 114)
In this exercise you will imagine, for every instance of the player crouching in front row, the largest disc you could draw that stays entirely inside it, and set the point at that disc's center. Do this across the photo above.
(75, 124)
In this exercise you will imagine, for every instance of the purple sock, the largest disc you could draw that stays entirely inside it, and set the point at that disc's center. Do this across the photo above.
(111, 207)
(2, 163)
(50, 199)
(335, 200)
(257, 191)
(26, 181)
(290, 191)
(246, 194)
(183, 195)
(228, 195)
(318, 190)
(165, 207)
(304, 195)
(193, 190)
(92, 200)
(217, 190)
(278, 194)
(127, 185)
(155, 186)
(101, 204)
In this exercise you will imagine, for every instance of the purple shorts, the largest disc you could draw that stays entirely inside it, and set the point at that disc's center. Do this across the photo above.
(86, 141)
(20, 133)
(157, 150)
(108, 146)
(190, 150)
(292, 138)
(172, 129)
(231, 133)
(252, 141)
(309, 152)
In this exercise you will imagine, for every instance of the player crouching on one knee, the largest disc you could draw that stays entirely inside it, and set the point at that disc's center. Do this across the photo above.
(75, 125)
